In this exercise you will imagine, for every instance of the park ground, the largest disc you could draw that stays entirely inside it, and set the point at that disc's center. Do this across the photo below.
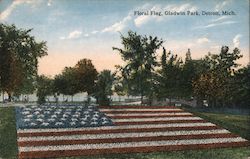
(238, 124)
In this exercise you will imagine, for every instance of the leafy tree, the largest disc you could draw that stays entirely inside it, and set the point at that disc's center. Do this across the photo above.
(60, 85)
(19, 53)
(214, 84)
(104, 87)
(86, 74)
(120, 86)
(44, 88)
(69, 77)
(208, 86)
(191, 70)
(240, 88)
(28, 86)
(170, 76)
(80, 78)
(139, 53)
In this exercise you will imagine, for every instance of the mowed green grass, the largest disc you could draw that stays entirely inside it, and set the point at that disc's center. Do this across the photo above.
(238, 124)
(235, 123)
(8, 144)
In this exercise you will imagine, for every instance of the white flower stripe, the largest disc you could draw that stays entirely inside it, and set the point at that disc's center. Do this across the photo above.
(156, 119)
(117, 127)
(147, 114)
(122, 135)
(138, 110)
(131, 144)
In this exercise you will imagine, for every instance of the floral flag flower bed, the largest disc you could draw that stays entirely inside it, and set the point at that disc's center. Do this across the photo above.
(60, 117)
(117, 129)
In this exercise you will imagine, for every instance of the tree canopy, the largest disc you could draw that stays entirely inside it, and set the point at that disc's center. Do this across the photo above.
(103, 88)
(44, 88)
(86, 74)
(19, 53)
(170, 76)
(139, 53)
(77, 79)
(216, 82)
(216, 77)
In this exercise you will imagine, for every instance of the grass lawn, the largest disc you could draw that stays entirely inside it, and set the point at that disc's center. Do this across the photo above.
(235, 123)
(8, 145)
(238, 124)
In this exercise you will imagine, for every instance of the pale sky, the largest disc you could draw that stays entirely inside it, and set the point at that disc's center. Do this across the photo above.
(79, 29)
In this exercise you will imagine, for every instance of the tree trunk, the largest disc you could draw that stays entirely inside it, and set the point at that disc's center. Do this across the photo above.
(56, 98)
(199, 102)
(72, 98)
(97, 100)
(213, 101)
(9, 97)
(88, 99)
(3, 96)
(141, 99)
(150, 100)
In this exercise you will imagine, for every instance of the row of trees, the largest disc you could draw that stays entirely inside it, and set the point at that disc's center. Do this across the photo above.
(216, 78)
(19, 54)
(83, 77)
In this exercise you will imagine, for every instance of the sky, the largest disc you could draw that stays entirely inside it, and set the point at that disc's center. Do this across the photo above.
(80, 29)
